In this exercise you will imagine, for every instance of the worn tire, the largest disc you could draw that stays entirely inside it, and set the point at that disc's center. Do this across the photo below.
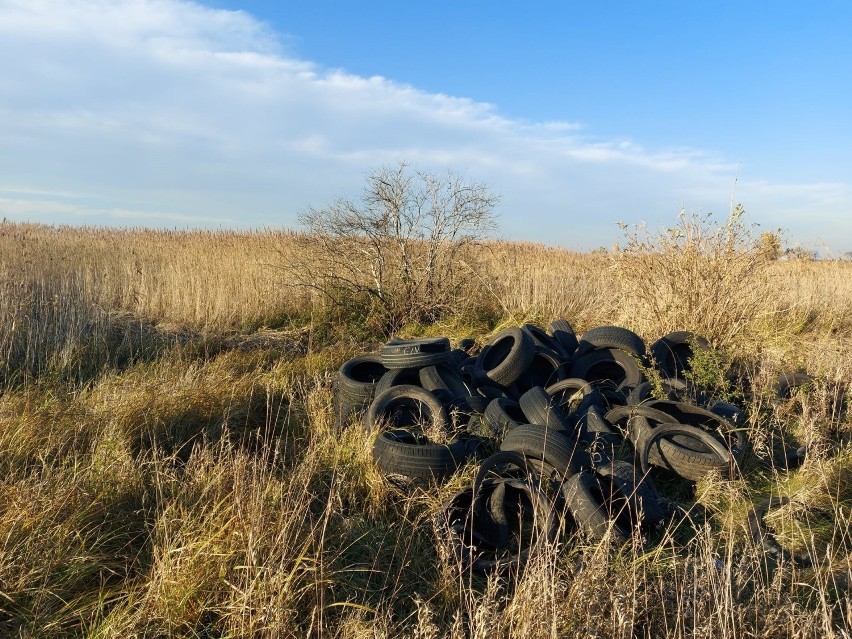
(444, 378)
(786, 383)
(503, 414)
(498, 465)
(569, 392)
(543, 340)
(468, 522)
(345, 408)
(541, 409)
(506, 357)
(672, 353)
(686, 462)
(598, 436)
(556, 448)
(562, 332)
(627, 419)
(611, 337)
(675, 389)
(585, 500)
(638, 488)
(398, 377)
(408, 453)
(407, 406)
(546, 368)
(684, 413)
(613, 364)
(358, 376)
(415, 353)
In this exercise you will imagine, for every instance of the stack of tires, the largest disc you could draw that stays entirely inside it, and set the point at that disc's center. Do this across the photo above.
(573, 426)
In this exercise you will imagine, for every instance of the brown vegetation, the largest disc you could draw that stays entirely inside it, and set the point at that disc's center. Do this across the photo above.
(168, 464)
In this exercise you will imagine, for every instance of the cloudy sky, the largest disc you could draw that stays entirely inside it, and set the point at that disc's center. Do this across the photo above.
(229, 114)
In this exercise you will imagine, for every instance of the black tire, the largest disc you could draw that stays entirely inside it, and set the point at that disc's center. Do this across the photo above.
(786, 383)
(357, 377)
(467, 523)
(672, 353)
(627, 419)
(398, 377)
(608, 364)
(502, 415)
(355, 386)
(546, 368)
(760, 535)
(545, 341)
(643, 499)
(620, 414)
(541, 409)
(569, 393)
(344, 407)
(562, 332)
(611, 337)
(575, 397)
(477, 403)
(599, 437)
(506, 357)
(508, 464)
(686, 462)
(468, 373)
(459, 358)
(675, 389)
(491, 391)
(415, 353)
(683, 413)
(409, 453)
(444, 378)
(731, 412)
(586, 500)
(556, 448)
(408, 406)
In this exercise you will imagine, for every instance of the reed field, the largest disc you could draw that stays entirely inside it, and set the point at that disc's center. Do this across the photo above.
(170, 467)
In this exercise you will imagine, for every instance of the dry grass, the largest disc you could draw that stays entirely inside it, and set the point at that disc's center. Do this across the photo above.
(169, 469)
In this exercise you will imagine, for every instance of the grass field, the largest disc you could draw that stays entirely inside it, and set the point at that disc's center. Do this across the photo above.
(169, 465)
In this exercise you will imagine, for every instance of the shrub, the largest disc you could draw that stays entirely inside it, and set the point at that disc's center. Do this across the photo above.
(701, 275)
(400, 248)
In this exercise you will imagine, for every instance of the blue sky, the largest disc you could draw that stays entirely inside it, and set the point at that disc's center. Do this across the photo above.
(229, 114)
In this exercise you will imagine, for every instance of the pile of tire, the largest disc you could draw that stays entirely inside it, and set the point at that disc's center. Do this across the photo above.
(573, 427)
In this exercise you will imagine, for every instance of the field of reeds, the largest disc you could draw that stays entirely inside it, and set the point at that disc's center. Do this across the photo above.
(169, 465)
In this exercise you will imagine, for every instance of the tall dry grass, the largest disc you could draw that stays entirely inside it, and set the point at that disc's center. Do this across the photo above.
(203, 491)
(71, 298)
(75, 298)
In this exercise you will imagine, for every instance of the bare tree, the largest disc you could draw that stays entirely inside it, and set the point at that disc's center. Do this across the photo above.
(401, 247)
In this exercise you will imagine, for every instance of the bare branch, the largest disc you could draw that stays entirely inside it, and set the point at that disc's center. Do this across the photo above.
(400, 243)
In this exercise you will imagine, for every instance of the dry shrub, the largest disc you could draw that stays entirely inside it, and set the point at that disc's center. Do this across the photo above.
(401, 250)
(699, 275)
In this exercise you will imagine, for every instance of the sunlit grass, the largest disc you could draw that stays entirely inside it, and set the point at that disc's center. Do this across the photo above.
(169, 464)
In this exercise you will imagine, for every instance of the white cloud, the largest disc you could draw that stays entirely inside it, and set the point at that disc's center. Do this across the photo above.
(202, 117)
(53, 210)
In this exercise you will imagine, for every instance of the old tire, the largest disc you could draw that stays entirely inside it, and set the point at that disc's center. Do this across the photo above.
(409, 453)
(506, 357)
(407, 406)
(611, 337)
(415, 353)
(672, 353)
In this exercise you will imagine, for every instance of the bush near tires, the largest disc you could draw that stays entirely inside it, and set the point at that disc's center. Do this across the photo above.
(577, 428)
